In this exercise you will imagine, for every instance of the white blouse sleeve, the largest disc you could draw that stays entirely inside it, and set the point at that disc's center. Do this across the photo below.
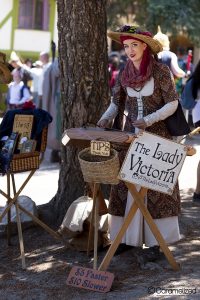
(176, 70)
(161, 114)
(110, 113)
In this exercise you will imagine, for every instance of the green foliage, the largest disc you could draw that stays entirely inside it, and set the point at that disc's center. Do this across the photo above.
(117, 9)
(174, 16)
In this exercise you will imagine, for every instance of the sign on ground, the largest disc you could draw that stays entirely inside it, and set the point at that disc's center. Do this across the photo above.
(86, 278)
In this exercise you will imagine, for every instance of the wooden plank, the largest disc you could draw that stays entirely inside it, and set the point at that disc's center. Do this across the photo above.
(96, 133)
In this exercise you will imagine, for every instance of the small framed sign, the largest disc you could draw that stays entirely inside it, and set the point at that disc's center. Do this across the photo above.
(101, 148)
(85, 278)
(153, 162)
(23, 125)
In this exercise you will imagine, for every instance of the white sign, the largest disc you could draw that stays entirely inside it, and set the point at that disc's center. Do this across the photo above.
(153, 162)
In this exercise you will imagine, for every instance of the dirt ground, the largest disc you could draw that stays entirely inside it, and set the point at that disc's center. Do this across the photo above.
(49, 263)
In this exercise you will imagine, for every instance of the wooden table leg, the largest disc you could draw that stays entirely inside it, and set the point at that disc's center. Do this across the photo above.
(95, 189)
(9, 212)
(96, 230)
(19, 225)
(152, 226)
(91, 228)
(103, 210)
(113, 247)
(12, 200)
(21, 242)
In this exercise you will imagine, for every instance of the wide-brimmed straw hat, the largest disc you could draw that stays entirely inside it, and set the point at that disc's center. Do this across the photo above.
(5, 72)
(136, 32)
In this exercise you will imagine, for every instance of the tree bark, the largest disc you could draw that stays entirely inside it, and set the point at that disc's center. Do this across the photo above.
(84, 84)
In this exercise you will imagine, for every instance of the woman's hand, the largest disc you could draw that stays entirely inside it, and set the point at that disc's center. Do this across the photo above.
(140, 124)
(103, 123)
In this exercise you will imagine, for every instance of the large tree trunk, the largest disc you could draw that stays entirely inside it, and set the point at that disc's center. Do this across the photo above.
(84, 84)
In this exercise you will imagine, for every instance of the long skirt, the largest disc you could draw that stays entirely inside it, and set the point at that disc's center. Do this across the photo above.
(138, 233)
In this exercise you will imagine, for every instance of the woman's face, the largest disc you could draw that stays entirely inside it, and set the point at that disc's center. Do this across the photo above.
(134, 50)
(16, 76)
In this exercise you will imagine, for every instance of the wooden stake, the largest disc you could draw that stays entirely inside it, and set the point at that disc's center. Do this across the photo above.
(96, 229)
(9, 213)
(113, 247)
(21, 242)
(152, 226)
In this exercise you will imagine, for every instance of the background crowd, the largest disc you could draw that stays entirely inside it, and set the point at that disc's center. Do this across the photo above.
(37, 84)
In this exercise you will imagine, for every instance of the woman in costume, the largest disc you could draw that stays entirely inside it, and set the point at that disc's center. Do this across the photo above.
(145, 90)
(195, 87)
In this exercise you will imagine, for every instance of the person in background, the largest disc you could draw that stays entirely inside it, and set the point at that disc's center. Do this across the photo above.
(44, 58)
(123, 59)
(145, 88)
(189, 64)
(14, 60)
(180, 82)
(36, 73)
(18, 92)
(114, 62)
(51, 103)
(33, 73)
(5, 70)
(28, 62)
(5, 79)
(17, 63)
(196, 119)
(168, 57)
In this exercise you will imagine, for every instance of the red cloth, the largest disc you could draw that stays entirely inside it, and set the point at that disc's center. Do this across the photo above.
(189, 60)
(28, 105)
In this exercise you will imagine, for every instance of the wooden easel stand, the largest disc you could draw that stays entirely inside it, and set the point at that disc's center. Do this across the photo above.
(138, 203)
(10, 202)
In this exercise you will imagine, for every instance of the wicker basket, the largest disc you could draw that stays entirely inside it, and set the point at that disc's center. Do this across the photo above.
(99, 169)
(25, 162)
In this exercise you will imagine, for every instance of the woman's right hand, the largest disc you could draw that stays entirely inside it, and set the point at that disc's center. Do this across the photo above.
(103, 123)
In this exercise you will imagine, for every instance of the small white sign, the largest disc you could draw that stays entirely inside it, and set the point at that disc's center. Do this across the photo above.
(101, 148)
(153, 162)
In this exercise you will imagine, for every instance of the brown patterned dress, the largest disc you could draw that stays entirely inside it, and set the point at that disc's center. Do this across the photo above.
(159, 205)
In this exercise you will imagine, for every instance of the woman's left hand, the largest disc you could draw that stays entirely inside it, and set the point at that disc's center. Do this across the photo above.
(139, 124)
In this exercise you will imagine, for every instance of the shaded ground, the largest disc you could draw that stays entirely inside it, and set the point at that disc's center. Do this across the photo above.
(49, 263)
